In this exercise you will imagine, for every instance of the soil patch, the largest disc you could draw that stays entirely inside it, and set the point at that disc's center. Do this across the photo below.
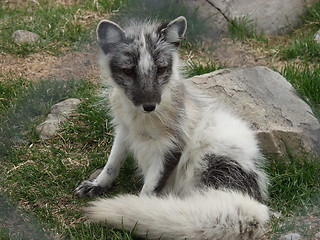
(238, 54)
(76, 65)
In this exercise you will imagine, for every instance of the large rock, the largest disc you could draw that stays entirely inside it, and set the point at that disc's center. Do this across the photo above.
(59, 113)
(269, 102)
(270, 17)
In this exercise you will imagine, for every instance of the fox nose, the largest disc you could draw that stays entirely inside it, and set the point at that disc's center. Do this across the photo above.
(149, 107)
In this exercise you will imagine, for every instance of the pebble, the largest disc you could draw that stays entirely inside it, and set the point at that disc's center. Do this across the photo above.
(317, 37)
(24, 36)
(291, 236)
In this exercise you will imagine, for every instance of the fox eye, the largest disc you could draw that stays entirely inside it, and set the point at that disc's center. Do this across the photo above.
(128, 71)
(161, 70)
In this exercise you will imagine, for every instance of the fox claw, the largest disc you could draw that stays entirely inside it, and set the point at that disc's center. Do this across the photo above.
(90, 189)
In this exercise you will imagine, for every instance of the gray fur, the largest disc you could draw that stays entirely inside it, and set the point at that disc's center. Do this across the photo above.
(129, 48)
(87, 188)
(223, 172)
(171, 161)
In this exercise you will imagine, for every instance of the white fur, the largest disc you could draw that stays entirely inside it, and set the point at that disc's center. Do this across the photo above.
(208, 215)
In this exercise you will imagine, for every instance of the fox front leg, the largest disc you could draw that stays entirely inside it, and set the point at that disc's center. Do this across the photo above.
(110, 171)
(159, 171)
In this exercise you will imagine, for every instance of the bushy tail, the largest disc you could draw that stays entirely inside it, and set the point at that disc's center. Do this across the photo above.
(212, 214)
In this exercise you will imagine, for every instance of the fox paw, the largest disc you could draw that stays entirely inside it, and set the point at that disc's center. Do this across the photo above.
(90, 189)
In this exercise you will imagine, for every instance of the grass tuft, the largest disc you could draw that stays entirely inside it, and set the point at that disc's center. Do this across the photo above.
(301, 44)
(243, 29)
(306, 80)
(305, 48)
(311, 16)
(197, 68)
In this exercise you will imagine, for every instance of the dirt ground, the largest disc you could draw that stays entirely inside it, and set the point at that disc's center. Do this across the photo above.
(83, 64)
(78, 65)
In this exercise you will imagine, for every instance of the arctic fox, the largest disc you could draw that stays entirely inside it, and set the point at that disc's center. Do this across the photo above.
(201, 166)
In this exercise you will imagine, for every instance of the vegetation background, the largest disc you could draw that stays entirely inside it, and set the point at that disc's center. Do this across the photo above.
(37, 178)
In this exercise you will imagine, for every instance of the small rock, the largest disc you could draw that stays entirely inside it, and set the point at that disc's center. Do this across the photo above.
(276, 214)
(291, 236)
(59, 113)
(24, 36)
(317, 236)
(18, 140)
(317, 37)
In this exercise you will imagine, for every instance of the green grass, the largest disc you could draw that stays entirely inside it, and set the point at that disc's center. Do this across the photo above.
(306, 80)
(59, 26)
(311, 15)
(4, 235)
(301, 43)
(302, 48)
(302, 53)
(194, 68)
(243, 29)
(48, 172)
(10, 89)
(96, 232)
(294, 193)
(294, 182)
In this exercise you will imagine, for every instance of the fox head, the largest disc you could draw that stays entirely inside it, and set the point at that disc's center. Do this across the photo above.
(140, 58)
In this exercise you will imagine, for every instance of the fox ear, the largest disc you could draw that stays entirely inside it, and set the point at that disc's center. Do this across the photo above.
(109, 34)
(175, 30)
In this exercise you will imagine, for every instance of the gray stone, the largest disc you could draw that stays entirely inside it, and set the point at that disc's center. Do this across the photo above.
(59, 113)
(291, 236)
(270, 17)
(317, 36)
(24, 36)
(269, 103)
(215, 20)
